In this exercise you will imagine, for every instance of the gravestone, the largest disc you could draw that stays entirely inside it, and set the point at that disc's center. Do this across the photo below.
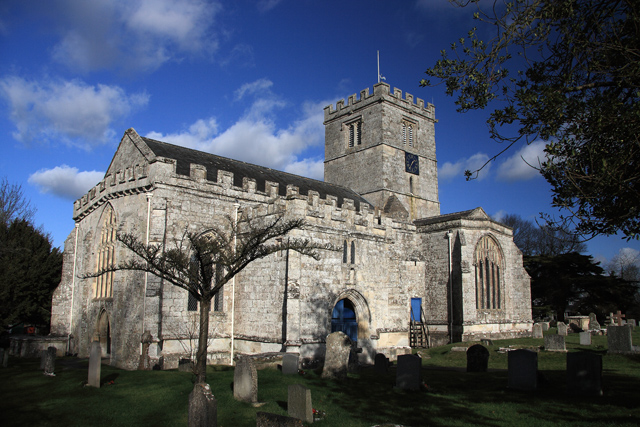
(594, 325)
(477, 358)
(619, 339)
(554, 343)
(203, 408)
(267, 419)
(299, 403)
(584, 374)
(523, 369)
(290, 363)
(50, 362)
(562, 329)
(381, 363)
(145, 361)
(585, 338)
(186, 365)
(536, 331)
(336, 359)
(95, 364)
(408, 372)
(631, 322)
(5, 358)
(486, 341)
(592, 318)
(617, 318)
(245, 380)
(545, 326)
(43, 358)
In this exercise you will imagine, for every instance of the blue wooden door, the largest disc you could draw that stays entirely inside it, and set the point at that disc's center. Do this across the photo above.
(343, 319)
(416, 309)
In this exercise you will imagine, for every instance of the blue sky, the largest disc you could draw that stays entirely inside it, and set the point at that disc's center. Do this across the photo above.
(242, 79)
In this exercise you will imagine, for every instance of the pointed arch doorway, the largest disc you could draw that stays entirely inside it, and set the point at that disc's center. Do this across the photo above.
(344, 319)
(103, 333)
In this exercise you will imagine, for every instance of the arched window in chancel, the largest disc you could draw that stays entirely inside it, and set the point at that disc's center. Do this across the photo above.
(103, 286)
(488, 262)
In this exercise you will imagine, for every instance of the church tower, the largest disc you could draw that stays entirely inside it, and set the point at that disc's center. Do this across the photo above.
(383, 147)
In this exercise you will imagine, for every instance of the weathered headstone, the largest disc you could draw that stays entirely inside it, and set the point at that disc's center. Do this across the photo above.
(619, 339)
(186, 365)
(336, 359)
(408, 372)
(95, 364)
(477, 358)
(245, 380)
(145, 361)
(554, 343)
(381, 363)
(631, 322)
(594, 325)
(585, 338)
(203, 408)
(593, 317)
(523, 369)
(562, 329)
(267, 419)
(299, 403)
(545, 326)
(290, 363)
(50, 362)
(584, 374)
(43, 358)
(536, 331)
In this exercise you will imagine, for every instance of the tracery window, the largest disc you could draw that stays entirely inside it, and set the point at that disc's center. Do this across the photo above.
(488, 263)
(103, 286)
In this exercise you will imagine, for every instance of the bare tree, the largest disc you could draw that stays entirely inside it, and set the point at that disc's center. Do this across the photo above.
(13, 204)
(201, 263)
(626, 265)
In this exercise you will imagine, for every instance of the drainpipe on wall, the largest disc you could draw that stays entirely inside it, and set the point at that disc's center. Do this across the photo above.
(233, 282)
(449, 235)
(73, 287)
(146, 274)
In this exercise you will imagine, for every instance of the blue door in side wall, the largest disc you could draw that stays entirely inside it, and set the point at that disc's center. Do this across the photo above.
(343, 319)
(416, 309)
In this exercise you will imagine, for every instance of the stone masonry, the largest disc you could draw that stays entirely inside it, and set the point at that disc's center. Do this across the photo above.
(397, 247)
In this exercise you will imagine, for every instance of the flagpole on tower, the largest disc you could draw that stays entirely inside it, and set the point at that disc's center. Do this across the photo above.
(380, 77)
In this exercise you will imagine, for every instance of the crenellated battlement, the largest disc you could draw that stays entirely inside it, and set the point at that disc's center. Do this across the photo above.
(381, 92)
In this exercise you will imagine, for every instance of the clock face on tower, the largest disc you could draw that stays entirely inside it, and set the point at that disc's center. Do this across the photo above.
(411, 163)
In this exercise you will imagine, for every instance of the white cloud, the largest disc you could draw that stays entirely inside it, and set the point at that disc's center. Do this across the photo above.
(70, 111)
(261, 85)
(522, 165)
(265, 5)
(132, 34)
(255, 137)
(65, 181)
(449, 170)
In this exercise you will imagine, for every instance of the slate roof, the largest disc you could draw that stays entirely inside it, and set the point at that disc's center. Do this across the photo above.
(471, 213)
(185, 156)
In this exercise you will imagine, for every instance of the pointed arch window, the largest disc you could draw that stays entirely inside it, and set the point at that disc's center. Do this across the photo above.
(488, 261)
(218, 299)
(103, 286)
(407, 132)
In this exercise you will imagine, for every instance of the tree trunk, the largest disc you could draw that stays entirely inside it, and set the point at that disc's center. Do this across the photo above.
(203, 339)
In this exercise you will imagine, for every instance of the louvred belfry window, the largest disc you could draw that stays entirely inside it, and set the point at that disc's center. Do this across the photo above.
(103, 286)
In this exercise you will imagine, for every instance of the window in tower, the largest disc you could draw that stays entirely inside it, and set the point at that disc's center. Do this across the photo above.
(354, 133)
(408, 129)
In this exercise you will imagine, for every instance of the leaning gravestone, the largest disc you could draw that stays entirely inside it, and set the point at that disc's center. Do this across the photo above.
(50, 362)
(585, 338)
(203, 408)
(477, 358)
(536, 331)
(408, 372)
(381, 364)
(267, 419)
(523, 369)
(562, 329)
(619, 339)
(336, 359)
(95, 364)
(245, 380)
(554, 343)
(299, 403)
(290, 364)
(584, 374)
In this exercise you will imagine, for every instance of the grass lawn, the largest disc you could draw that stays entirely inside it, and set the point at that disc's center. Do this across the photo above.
(453, 397)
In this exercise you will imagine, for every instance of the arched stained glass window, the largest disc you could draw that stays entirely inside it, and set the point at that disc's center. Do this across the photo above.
(488, 263)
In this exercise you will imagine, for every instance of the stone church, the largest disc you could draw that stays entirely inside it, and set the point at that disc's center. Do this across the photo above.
(407, 275)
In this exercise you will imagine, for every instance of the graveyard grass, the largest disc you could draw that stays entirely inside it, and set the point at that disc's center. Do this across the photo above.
(452, 396)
